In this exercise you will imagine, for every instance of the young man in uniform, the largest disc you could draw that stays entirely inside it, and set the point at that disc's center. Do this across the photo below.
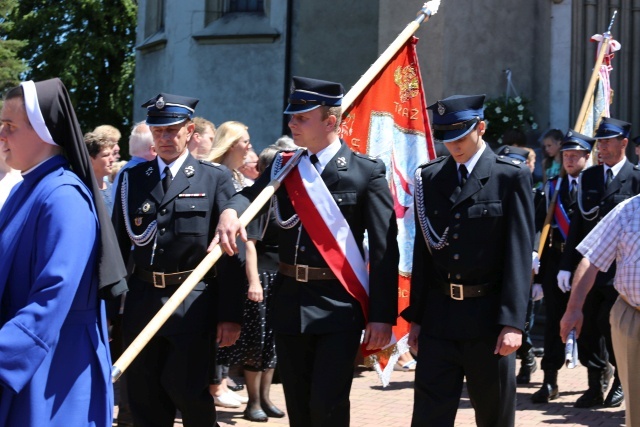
(471, 271)
(325, 294)
(575, 151)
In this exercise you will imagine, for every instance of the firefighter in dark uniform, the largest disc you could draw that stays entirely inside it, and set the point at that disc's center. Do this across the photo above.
(471, 271)
(528, 364)
(601, 188)
(318, 323)
(165, 216)
(575, 151)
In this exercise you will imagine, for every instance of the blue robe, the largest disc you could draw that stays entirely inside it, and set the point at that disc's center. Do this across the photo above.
(54, 354)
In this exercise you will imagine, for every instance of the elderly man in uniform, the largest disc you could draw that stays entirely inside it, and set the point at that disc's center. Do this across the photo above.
(324, 294)
(168, 212)
(471, 271)
(601, 188)
(575, 151)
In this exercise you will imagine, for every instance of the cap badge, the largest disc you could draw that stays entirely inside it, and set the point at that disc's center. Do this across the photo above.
(341, 162)
(149, 171)
(160, 103)
(138, 221)
(441, 108)
(146, 207)
(189, 171)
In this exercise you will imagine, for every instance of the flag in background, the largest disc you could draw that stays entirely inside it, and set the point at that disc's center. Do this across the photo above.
(602, 94)
(389, 121)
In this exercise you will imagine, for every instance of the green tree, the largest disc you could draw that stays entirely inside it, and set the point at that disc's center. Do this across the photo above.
(89, 44)
(11, 66)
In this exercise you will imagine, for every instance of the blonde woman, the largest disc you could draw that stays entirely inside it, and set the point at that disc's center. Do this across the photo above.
(231, 146)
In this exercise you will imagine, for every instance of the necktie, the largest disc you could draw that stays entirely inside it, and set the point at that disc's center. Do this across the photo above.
(314, 160)
(166, 181)
(609, 178)
(463, 174)
(574, 189)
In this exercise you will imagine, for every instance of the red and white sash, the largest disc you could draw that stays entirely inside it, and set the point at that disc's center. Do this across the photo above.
(328, 229)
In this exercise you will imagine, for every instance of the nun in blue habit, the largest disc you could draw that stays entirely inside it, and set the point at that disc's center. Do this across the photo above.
(58, 261)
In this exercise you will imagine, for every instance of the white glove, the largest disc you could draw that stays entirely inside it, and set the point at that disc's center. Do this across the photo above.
(535, 262)
(564, 280)
(536, 292)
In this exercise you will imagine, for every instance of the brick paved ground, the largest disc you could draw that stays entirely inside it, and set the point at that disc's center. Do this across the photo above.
(371, 405)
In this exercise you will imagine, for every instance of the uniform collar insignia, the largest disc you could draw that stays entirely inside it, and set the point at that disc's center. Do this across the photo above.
(149, 171)
(341, 162)
(189, 171)
(441, 108)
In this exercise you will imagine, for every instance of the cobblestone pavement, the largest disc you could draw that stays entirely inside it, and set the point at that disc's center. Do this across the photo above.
(371, 405)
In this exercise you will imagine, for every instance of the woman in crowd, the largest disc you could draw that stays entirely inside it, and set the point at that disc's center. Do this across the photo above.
(552, 161)
(230, 148)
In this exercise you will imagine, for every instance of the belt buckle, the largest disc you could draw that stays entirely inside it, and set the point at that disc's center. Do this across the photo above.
(160, 285)
(302, 273)
(456, 292)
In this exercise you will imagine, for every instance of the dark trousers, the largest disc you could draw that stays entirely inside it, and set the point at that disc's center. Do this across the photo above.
(316, 373)
(172, 373)
(594, 343)
(443, 365)
(555, 303)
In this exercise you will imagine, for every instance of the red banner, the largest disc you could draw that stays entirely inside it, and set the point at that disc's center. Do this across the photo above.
(389, 121)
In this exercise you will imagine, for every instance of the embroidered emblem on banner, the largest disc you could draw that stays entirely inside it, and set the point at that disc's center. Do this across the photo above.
(407, 80)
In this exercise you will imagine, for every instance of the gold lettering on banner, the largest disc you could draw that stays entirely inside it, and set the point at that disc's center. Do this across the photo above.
(414, 113)
(403, 293)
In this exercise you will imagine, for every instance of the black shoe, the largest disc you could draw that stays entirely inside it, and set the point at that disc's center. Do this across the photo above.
(615, 396)
(527, 367)
(592, 397)
(256, 415)
(546, 393)
(273, 411)
(538, 351)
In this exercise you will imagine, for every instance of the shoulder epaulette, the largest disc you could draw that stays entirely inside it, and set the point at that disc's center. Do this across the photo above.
(509, 160)
(636, 168)
(365, 156)
(208, 163)
(432, 162)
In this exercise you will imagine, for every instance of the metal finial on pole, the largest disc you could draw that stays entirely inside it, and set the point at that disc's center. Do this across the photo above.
(428, 9)
(613, 18)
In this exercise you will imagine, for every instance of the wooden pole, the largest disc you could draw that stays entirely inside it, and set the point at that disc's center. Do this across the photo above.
(196, 276)
(587, 100)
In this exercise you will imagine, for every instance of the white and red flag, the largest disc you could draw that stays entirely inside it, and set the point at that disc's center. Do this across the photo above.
(389, 121)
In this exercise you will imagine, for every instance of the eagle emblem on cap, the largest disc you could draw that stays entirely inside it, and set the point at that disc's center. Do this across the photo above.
(441, 108)
(189, 171)
(407, 80)
(160, 103)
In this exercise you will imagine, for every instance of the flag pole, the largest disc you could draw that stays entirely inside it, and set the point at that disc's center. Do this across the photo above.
(196, 275)
(582, 115)
(428, 9)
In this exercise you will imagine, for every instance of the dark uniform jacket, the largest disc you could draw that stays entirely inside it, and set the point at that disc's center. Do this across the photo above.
(555, 244)
(186, 219)
(490, 225)
(593, 194)
(360, 189)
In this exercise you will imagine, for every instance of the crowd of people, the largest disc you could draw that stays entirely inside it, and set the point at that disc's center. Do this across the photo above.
(93, 247)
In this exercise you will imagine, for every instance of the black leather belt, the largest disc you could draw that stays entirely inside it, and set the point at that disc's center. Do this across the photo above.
(460, 292)
(162, 280)
(304, 273)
